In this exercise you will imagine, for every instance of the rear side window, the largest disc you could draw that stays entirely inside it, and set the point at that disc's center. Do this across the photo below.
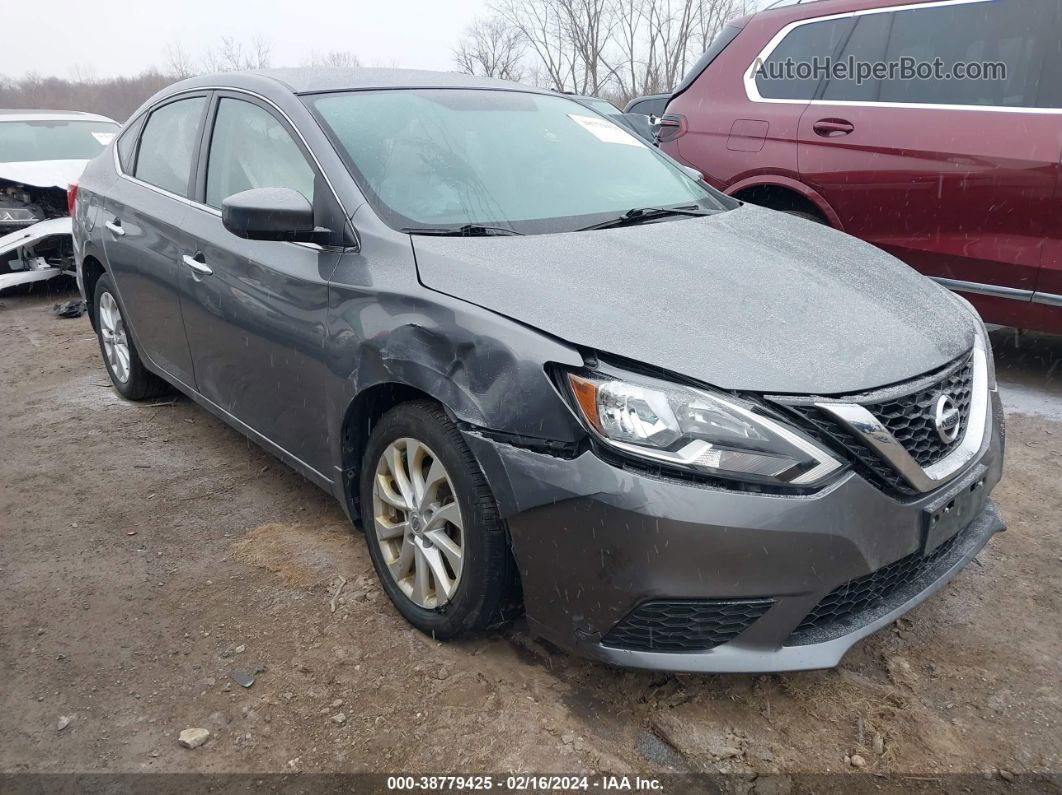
(788, 72)
(168, 143)
(249, 149)
(719, 43)
(867, 44)
(127, 145)
(1015, 34)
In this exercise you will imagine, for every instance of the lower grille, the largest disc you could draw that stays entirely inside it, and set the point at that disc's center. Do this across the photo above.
(686, 625)
(867, 592)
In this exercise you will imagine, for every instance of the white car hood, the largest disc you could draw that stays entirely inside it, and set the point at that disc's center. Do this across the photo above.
(43, 173)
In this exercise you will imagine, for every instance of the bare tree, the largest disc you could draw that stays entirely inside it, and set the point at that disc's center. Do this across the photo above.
(491, 48)
(343, 59)
(178, 62)
(233, 55)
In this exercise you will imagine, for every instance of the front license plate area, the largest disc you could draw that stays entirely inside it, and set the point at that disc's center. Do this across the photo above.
(945, 516)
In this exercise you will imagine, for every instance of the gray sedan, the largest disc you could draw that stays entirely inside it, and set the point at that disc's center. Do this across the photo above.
(543, 367)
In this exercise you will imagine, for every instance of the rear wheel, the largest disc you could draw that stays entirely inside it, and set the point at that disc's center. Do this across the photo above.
(431, 523)
(127, 372)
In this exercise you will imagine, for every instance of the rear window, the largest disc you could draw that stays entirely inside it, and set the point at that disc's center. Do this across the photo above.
(53, 140)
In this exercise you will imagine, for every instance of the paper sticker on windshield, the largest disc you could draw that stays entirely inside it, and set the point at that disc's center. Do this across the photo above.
(103, 137)
(604, 130)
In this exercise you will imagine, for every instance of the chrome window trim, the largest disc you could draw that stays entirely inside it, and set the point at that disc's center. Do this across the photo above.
(752, 91)
(207, 208)
(867, 427)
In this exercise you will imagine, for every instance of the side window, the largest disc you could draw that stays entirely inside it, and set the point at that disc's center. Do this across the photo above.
(788, 71)
(127, 144)
(249, 148)
(1051, 80)
(866, 45)
(1012, 33)
(168, 143)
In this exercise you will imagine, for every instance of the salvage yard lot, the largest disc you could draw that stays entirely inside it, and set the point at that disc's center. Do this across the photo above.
(148, 551)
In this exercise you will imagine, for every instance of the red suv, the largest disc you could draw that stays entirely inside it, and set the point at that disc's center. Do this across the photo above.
(960, 178)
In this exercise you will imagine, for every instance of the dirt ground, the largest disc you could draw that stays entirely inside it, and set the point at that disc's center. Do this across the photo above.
(148, 551)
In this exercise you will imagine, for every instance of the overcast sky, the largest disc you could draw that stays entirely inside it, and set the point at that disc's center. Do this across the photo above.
(109, 38)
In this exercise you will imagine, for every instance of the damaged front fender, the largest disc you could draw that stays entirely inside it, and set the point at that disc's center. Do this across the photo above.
(36, 253)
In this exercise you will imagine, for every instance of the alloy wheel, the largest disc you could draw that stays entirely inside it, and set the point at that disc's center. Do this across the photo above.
(418, 523)
(115, 341)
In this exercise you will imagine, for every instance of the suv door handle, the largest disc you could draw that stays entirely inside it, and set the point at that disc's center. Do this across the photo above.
(196, 263)
(832, 128)
(115, 227)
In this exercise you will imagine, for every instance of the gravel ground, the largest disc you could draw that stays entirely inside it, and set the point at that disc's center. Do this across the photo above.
(149, 553)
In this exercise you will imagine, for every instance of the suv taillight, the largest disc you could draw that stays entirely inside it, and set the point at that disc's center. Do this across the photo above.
(670, 127)
(71, 198)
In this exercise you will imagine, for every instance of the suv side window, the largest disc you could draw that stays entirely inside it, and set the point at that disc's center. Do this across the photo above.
(1015, 34)
(127, 144)
(803, 45)
(250, 148)
(866, 44)
(168, 144)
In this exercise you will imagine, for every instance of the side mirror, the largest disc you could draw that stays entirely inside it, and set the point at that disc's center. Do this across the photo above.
(693, 173)
(271, 214)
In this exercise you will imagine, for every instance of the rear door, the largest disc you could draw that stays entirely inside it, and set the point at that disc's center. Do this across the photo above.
(255, 310)
(143, 238)
(954, 176)
(1049, 285)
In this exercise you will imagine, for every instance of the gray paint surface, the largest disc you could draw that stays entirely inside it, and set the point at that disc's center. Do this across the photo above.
(750, 299)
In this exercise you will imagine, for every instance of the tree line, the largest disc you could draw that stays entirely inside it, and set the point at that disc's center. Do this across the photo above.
(616, 49)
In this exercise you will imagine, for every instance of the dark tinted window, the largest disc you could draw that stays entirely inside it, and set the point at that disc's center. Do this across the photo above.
(1013, 32)
(866, 44)
(816, 41)
(1051, 80)
(649, 107)
(719, 43)
(168, 144)
(250, 148)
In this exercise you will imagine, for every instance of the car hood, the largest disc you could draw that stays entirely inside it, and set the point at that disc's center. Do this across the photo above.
(750, 299)
(43, 173)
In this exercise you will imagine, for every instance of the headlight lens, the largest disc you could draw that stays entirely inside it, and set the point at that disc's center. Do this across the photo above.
(697, 430)
(16, 216)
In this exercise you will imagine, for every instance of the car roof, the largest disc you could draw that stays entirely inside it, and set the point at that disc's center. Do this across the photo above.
(311, 80)
(22, 114)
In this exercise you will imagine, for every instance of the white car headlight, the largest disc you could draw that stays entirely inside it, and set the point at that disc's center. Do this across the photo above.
(696, 429)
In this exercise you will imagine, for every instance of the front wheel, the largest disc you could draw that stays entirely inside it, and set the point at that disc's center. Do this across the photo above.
(127, 372)
(431, 523)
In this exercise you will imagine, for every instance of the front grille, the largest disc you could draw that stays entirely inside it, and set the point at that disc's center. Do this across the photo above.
(907, 415)
(685, 625)
(910, 418)
(864, 593)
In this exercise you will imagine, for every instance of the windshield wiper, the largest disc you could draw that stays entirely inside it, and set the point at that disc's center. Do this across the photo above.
(642, 214)
(468, 230)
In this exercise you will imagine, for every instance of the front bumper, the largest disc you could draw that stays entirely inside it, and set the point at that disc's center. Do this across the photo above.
(593, 541)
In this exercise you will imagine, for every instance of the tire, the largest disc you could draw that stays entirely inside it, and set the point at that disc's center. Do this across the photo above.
(817, 219)
(128, 374)
(449, 605)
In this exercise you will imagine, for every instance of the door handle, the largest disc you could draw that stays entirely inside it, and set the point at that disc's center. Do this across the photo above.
(832, 128)
(197, 265)
(115, 228)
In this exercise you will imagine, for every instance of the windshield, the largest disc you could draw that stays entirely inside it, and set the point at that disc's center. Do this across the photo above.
(534, 163)
(41, 139)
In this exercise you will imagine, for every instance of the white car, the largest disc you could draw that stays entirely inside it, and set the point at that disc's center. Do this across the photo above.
(41, 153)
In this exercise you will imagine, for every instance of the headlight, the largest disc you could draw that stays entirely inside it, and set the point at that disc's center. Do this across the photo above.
(17, 216)
(697, 430)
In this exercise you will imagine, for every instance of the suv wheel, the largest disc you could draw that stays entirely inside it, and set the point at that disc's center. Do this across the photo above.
(432, 525)
(127, 372)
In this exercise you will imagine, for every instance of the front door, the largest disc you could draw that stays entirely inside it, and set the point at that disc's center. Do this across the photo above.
(255, 310)
(143, 239)
(953, 176)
